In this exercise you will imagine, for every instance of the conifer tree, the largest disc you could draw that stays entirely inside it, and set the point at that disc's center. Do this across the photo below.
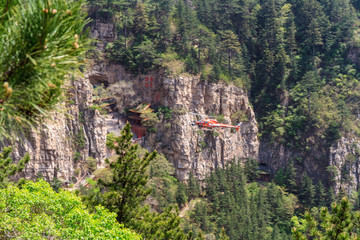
(291, 177)
(127, 189)
(41, 42)
(307, 194)
(320, 195)
(310, 83)
(141, 20)
(159, 226)
(193, 187)
(181, 197)
(7, 168)
(251, 169)
(340, 223)
(230, 44)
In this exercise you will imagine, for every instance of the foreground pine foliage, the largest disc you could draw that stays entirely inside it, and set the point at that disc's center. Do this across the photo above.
(41, 42)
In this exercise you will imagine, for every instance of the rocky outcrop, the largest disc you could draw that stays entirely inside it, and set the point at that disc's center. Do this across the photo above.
(344, 164)
(60, 146)
(312, 160)
(189, 148)
(194, 149)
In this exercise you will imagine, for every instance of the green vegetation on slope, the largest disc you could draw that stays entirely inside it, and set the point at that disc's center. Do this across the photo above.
(245, 210)
(37, 212)
(123, 187)
(341, 222)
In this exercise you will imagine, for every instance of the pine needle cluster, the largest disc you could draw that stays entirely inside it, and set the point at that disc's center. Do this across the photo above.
(42, 42)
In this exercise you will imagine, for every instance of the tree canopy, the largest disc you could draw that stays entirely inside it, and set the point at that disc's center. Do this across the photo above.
(37, 212)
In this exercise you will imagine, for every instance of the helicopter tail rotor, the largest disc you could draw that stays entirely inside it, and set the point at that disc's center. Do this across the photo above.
(238, 126)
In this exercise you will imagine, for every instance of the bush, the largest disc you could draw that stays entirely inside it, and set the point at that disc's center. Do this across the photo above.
(165, 111)
(77, 157)
(152, 129)
(215, 133)
(101, 110)
(110, 139)
(91, 164)
(220, 118)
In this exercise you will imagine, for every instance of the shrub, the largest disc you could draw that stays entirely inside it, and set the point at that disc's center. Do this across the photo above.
(165, 111)
(91, 164)
(77, 157)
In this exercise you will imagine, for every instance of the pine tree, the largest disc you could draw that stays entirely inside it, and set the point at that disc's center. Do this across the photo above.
(200, 215)
(320, 195)
(159, 226)
(126, 190)
(141, 19)
(331, 197)
(7, 168)
(340, 223)
(276, 235)
(251, 169)
(357, 201)
(225, 11)
(310, 84)
(41, 44)
(231, 46)
(307, 194)
(291, 177)
(162, 12)
(180, 195)
(193, 187)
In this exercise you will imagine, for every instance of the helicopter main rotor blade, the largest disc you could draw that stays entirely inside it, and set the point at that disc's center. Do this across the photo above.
(203, 115)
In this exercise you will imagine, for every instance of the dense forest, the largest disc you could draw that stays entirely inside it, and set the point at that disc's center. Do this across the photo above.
(294, 58)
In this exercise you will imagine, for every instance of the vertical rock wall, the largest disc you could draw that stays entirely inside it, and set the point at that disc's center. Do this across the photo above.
(189, 148)
(62, 143)
(344, 164)
(193, 149)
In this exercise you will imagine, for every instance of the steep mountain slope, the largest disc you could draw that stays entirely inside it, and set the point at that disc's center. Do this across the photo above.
(189, 148)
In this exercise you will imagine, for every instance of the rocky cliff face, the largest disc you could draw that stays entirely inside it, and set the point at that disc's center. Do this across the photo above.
(194, 149)
(200, 151)
(189, 148)
(344, 160)
(62, 144)
(312, 161)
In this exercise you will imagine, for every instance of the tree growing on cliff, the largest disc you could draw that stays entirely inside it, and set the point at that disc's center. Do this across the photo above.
(41, 42)
(7, 168)
(126, 190)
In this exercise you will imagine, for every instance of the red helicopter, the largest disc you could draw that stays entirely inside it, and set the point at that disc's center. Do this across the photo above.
(212, 123)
